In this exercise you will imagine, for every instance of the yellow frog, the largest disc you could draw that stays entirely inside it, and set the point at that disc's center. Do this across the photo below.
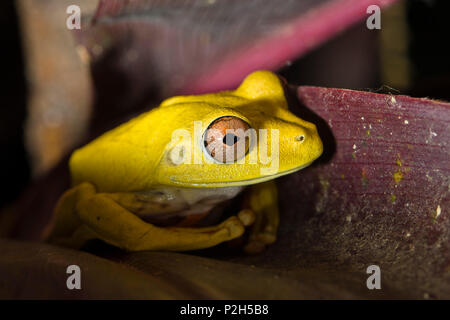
(181, 160)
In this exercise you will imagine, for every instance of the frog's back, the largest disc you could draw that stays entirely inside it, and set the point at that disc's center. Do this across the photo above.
(121, 159)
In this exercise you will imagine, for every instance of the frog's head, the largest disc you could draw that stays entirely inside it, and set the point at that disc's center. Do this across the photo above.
(230, 138)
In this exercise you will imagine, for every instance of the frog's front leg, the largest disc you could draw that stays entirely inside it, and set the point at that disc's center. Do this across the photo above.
(66, 228)
(104, 218)
(262, 199)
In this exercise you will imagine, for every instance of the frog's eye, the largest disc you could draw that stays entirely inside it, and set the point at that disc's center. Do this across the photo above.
(227, 139)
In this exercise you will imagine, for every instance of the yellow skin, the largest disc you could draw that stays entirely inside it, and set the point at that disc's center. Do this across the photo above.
(127, 174)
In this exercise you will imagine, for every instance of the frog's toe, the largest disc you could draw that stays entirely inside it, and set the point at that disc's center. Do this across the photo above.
(247, 217)
(234, 226)
(254, 246)
(258, 242)
(266, 238)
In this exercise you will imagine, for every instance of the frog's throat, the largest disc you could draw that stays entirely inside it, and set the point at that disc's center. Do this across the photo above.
(240, 182)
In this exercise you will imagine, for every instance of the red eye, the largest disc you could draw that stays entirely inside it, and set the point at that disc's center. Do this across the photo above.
(227, 139)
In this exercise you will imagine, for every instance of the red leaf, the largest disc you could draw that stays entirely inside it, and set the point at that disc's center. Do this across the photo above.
(379, 195)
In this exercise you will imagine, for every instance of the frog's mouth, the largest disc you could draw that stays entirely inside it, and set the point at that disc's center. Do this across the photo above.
(219, 184)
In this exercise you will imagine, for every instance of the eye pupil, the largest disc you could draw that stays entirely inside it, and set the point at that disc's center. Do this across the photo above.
(226, 139)
(230, 139)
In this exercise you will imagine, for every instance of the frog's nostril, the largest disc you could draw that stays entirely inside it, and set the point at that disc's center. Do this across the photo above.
(300, 138)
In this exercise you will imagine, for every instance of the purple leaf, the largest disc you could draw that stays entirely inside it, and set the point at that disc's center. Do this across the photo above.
(379, 195)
